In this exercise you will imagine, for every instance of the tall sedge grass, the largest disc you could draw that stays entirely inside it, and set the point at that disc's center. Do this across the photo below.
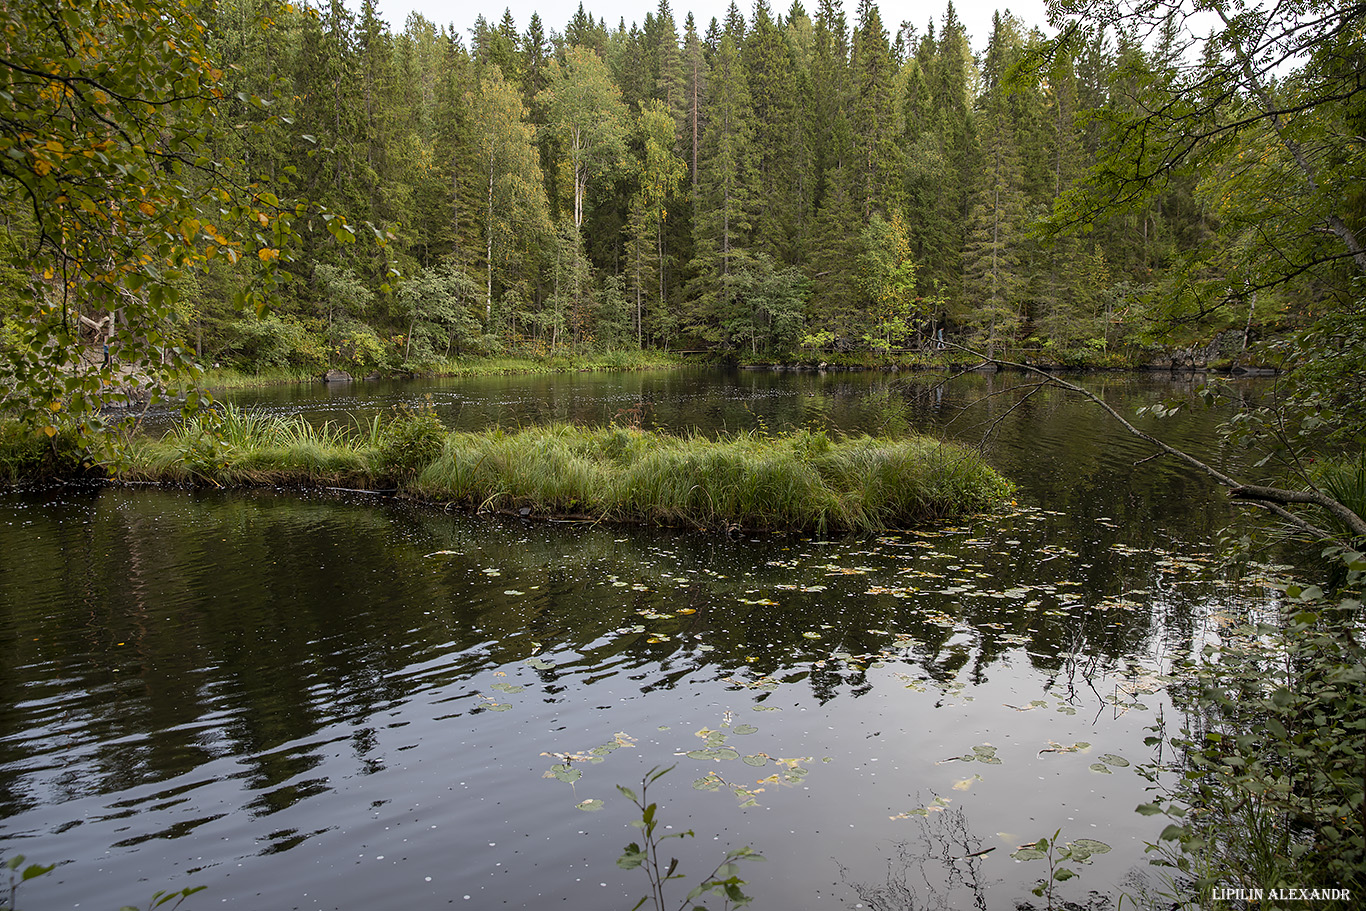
(794, 481)
(802, 480)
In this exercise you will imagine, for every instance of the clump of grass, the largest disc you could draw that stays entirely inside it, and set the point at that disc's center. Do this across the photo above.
(802, 480)
(793, 481)
(1345, 481)
(232, 446)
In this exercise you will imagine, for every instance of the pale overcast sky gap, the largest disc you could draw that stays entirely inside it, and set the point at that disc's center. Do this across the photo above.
(555, 14)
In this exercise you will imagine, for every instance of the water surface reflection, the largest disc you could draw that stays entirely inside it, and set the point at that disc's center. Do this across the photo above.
(309, 701)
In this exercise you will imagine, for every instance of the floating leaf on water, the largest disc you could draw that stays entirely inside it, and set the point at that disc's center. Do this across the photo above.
(745, 729)
(1100, 767)
(1118, 762)
(811, 635)
(701, 754)
(758, 760)
(987, 754)
(1067, 710)
(1029, 852)
(1091, 845)
(539, 663)
(727, 753)
(507, 687)
(966, 783)
(749, 803)
(589, 805)
(767, 708)
(687, 610)
(564, 773)
(707, 783)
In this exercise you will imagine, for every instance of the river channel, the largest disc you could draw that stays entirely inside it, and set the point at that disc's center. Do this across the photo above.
(341, 701)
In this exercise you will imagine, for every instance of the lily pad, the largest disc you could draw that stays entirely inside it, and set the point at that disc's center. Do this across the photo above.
(565, 773)
(1100, 767)
(758, 760)
(1091, 845)
(589, 805)
(1118, 762)
(745, 729)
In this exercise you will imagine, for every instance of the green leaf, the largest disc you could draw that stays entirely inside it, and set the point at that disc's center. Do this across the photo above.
(1092, 846)
(591, 805)
(35, 870)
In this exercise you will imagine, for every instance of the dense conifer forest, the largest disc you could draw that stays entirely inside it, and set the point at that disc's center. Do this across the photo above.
(783, 184)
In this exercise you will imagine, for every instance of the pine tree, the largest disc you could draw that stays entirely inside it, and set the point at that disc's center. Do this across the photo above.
(721, 217)
(874, 114)
(993, 257)
(770, 78)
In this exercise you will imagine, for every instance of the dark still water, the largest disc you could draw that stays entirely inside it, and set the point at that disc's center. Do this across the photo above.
(303, 701)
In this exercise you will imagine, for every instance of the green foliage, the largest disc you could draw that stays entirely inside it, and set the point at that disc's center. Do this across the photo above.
(410, 440)
(1269, 791)
(273, 341)
(888, 275)
(724, 881)
(1057, 853)
(29, 455)
(108, 136)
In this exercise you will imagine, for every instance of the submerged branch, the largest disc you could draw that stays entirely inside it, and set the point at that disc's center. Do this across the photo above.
(1273, 499)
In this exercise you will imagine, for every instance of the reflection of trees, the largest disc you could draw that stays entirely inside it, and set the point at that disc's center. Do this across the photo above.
(939, 871)
(261, 626)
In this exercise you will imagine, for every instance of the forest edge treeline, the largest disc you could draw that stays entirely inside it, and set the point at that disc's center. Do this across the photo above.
(781, 187)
